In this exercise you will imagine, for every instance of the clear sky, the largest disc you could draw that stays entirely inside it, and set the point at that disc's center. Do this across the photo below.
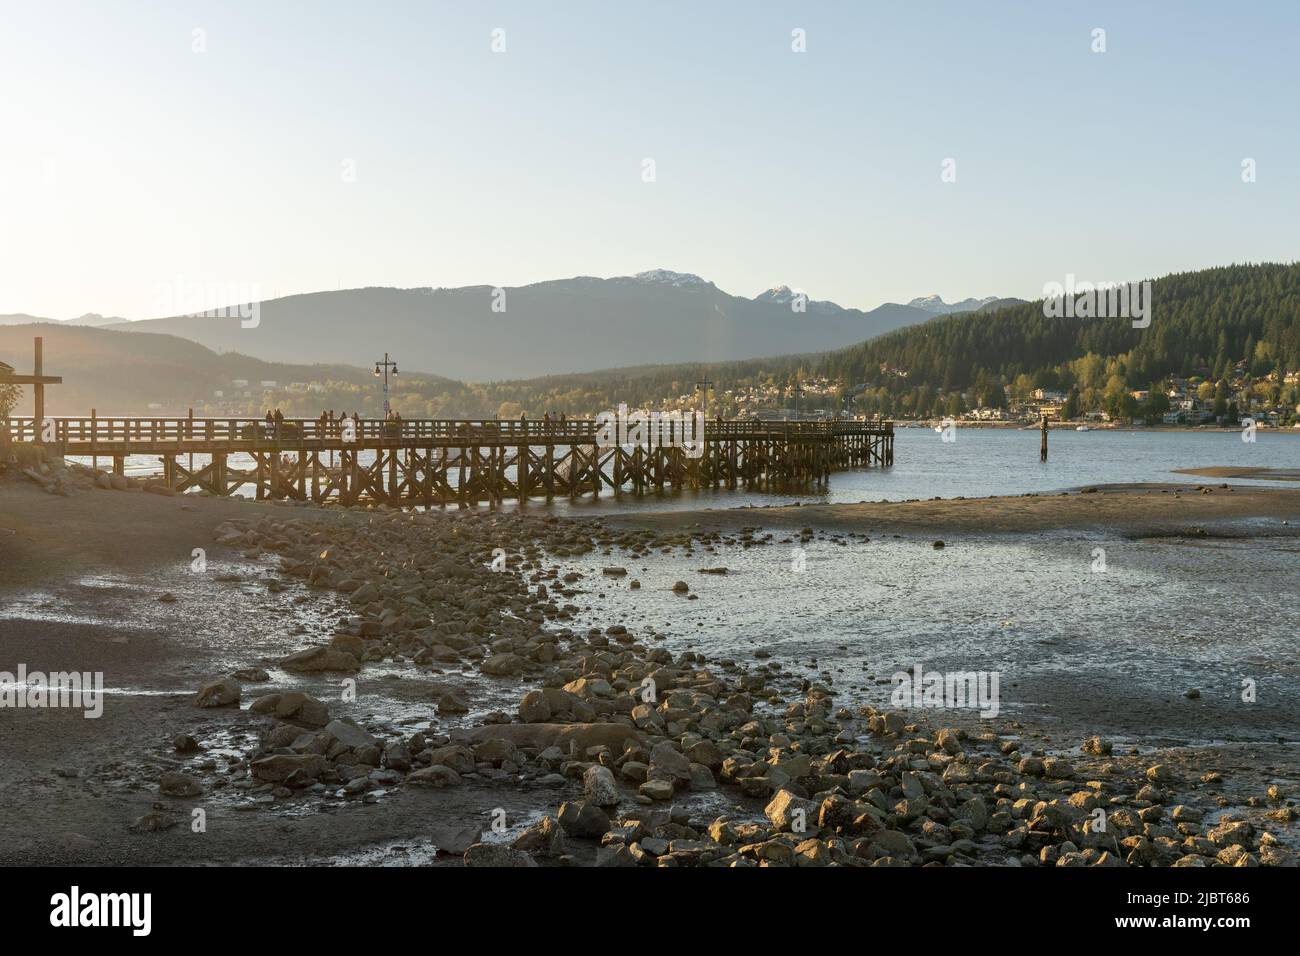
(130, 161)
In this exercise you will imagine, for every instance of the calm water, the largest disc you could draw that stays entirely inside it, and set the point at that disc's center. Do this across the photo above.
(984, 462)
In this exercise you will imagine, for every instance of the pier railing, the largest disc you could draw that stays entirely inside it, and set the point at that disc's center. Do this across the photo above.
(437, 461)
(86, 435)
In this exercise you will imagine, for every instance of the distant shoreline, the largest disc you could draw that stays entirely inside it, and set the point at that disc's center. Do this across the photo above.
(1074, 426)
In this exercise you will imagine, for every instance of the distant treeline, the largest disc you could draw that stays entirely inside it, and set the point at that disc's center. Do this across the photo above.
(1219, 325)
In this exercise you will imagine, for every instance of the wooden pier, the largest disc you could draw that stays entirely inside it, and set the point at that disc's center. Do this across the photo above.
(444, 461)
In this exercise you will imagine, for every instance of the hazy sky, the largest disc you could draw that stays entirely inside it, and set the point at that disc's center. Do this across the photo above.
(131, 162)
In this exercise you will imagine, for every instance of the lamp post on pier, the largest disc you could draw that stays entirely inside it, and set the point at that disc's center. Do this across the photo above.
(385, 365)
(704, 386)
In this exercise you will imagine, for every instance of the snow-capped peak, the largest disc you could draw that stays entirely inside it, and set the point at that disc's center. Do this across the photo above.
(784, 295)
(668, 277)
(935, 304)
(780, 293)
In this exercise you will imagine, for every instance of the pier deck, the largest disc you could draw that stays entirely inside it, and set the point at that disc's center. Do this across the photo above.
(442, 461)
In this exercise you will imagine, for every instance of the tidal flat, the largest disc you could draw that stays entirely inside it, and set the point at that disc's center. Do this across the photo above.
(677, 688)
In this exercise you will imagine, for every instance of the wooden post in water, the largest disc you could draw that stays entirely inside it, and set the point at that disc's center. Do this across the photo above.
(1042, 452)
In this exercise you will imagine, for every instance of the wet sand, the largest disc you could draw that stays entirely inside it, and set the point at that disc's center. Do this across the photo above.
(71, 785)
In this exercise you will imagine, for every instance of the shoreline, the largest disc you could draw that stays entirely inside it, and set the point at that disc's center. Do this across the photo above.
(82, 787)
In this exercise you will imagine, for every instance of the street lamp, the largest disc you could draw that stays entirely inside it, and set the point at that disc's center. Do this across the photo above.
(385, 365)
(704, 386)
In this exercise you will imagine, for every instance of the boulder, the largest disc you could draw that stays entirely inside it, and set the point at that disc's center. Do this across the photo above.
(458, 758)
(179, 785)
(315, 659)
(791, 813)
(541, 736)
(502, 665)
(497, 855)
(600, 787)
(436, 776)
(534, 709)
(582, 818)
(349, 734)
(279, 767)
(221, 693)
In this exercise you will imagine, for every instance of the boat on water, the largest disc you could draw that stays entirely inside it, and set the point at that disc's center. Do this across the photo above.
(1083, 428)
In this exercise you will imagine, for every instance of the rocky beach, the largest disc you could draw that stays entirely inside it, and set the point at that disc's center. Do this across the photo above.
(481, 688)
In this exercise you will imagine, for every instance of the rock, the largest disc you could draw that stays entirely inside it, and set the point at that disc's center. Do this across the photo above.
(457, 757)
(545, 837)
(152, 822)
(948, 739)
(397, 756)
(615, 855)
(564, 736)
(315, 659)
(454, 840)
(668, 763)
(365, 594)
(582, 818)
(975, 812)
(1231, 833)
(654, 846)
(1160, 773)
(681, 587)
(1058, 768)
(812, 852)
(222, 693)
(279, 767)
(184, 744)
(436, 776)
(349, 734)
(600, 787)
(657, 789)
(894, 842)
(495, 750)
(179, 785)
(534, 709)
(452, 702)
(705, 752)
(294, 706)
(791, 813)
(1099, 746)
(502, 665)
(702, 777)
(497, 855)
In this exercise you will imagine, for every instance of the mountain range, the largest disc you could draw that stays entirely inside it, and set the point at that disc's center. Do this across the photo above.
(478, 333)
(92, 319)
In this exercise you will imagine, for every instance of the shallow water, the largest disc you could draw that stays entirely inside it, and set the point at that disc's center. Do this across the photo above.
(1113, 649)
